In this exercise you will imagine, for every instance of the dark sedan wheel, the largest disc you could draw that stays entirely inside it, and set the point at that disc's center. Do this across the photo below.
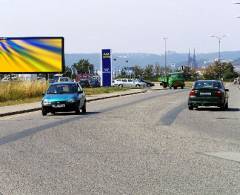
(222, 107)
(226, 106)
(190, 107)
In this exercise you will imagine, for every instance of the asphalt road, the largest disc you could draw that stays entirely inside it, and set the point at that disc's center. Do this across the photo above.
(142, 144)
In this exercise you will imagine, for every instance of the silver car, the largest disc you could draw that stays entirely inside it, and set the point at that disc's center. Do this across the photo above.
(131, 83)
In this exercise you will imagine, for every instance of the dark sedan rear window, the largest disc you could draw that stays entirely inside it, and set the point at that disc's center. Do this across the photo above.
(207, 84)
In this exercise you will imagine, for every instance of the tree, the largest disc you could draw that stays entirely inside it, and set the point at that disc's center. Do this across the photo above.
(68, 72)
(137, 71)
(84, 66)
(219, 70)
(229, 72)
(123, 73)
(148, 72)
(158, 70)
(189, 73)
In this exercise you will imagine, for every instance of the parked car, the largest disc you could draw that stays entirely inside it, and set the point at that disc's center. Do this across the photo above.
(84, 83)
(63, 79)
(51, 81)
(94, 83)
(64, 97)
(9, 78)
(208, 93)
(129, 83)
(148, 83)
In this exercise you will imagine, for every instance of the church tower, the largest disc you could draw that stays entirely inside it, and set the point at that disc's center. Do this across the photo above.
(194, 60)
(189, 59)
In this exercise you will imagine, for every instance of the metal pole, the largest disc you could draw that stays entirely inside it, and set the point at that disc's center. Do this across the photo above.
(165, 41)
(219, 38)
(219, 51)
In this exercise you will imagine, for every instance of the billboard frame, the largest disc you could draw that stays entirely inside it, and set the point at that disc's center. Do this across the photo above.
(42, 37)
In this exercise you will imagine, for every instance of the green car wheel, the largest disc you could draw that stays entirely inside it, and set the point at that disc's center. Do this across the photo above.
(44, 112)
(84, 108)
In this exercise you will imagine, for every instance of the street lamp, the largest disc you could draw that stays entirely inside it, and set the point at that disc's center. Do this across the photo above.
(117, 67)
(237, 4)
(165, 42)
(219, 38)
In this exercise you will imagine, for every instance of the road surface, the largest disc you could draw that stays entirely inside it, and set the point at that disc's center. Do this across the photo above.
(142, 144)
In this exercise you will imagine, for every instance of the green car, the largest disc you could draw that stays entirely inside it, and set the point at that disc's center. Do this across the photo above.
(208, 93)
(64, 97)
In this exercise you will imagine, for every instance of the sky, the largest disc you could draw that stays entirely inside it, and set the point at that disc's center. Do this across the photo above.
(125, 25)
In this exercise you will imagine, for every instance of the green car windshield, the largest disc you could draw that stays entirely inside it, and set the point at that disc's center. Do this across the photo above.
(62, 89)
(207, 84)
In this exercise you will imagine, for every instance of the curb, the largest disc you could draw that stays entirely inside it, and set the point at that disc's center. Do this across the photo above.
(20, 112)
(92, 100)
(114, 96)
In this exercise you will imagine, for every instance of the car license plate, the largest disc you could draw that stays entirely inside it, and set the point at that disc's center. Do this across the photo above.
(205, 94)
(59, 106)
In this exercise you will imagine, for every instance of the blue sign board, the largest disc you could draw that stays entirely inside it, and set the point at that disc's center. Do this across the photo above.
(106, 68)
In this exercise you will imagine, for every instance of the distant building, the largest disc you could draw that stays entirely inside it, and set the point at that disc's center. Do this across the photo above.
(27, 77)
(192, 60)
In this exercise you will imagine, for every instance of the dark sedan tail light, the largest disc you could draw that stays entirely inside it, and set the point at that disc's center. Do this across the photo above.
(192, 93)
(218, 93)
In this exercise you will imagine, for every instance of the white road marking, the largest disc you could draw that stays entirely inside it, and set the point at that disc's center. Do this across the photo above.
(232, 156)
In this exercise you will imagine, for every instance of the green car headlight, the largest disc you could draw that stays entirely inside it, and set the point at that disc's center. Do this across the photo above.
(71, 100)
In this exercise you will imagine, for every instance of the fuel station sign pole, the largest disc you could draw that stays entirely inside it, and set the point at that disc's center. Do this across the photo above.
(106, 68)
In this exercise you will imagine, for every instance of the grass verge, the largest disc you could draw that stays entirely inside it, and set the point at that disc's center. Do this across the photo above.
(101, 90)
(24, 101)
(13, 93)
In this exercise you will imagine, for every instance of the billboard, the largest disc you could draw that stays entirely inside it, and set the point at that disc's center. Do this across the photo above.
(32, 55)
(106, 68)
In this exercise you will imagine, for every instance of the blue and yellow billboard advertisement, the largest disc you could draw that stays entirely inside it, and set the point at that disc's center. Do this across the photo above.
(32, 55)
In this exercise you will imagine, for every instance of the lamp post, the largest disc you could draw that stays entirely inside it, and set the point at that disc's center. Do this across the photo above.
(165, 46)
(219, 38)
(117, 67)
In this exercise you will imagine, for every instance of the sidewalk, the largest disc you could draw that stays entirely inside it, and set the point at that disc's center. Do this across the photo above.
(31, 107)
